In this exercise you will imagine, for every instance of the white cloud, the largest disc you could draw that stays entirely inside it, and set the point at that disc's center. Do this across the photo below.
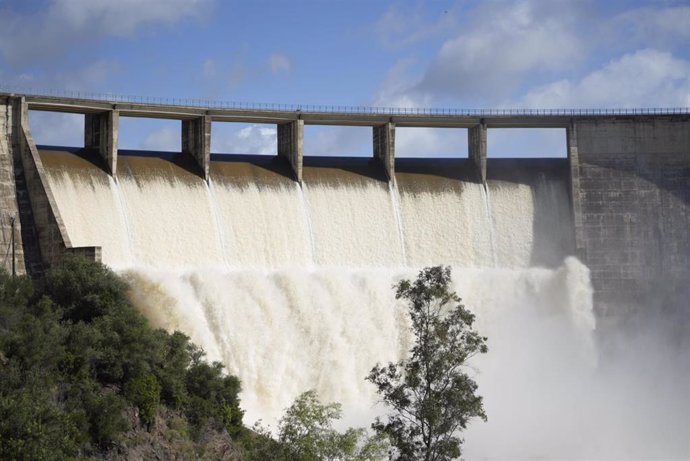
(279, 63)
(56, 129)
(164, 139)
(526, 142)
(332, 141)
(496, 49)
(439, 142)
(394, 90)
(654, 23)
(84, 78)
(230, 138)
(122, 17)
(500, 46)
(645, 78)
(50, 32)
(402, 26)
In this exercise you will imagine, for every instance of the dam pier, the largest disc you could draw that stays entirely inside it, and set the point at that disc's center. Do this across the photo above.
(626, 184)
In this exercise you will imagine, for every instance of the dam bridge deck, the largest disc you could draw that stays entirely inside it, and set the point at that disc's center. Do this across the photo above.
(187, 109)
(102, 123)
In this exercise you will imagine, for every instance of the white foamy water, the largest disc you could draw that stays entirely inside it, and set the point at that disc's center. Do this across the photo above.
(354, 225)
(172, 223)
(291, 288)
(161, 217)
(90, 209)
(258, 226)
(447, 224)
(284, 332)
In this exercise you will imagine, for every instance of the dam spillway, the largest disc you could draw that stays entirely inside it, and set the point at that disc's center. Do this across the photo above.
(159, 214)
(282, 267)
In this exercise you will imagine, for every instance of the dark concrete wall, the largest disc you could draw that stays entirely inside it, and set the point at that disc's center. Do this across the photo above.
(290, 142)
(384, 147)
(476, 148)
(196, 141)
(633, 197)
(101, 132)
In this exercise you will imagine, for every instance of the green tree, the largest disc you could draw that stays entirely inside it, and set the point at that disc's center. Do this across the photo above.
(213, 396)
(306, 434)
(144, 391)
(431, 397)
(76, 357)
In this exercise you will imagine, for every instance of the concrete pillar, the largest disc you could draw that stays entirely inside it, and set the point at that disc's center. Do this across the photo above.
(384, 147)
(575, 196)
(291, 145)
(196, 140)
(101, 133)
(476, 140)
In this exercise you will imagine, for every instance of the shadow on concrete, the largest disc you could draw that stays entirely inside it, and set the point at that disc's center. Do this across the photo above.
(323, 168)
(552, 222)
(144, 160)
(242, 164)
(461, 169)
(72, 155)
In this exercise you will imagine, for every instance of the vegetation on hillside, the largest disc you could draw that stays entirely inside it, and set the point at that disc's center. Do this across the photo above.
(84, 376)
(306, 433)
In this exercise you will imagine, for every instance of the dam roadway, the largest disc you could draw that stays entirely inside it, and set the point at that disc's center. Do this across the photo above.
(627, 174)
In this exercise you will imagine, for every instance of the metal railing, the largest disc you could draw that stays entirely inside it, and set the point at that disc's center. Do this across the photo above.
(321, 108)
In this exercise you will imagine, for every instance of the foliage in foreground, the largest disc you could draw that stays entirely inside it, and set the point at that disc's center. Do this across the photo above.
(83, 376)
(80, 369)
(430, 396)
(306, 434)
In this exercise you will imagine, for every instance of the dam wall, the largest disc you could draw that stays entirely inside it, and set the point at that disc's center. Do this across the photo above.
(632, 204)
(620, 201)
(40, 236)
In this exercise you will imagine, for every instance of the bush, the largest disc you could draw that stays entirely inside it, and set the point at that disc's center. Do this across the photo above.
(85, 289)
(75, 356)
(306, 434)
(145, 392)
(213, 397)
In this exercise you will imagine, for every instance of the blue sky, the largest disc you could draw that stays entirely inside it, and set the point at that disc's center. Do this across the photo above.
(461, 54)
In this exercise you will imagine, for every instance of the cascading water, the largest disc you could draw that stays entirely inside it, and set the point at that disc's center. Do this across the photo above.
(293, 290)
(395, 197)
(307, 219)
(216, 218)
(122, 212)
(489, 217)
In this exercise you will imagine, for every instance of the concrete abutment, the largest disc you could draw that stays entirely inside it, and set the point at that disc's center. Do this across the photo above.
(11, 242)
(44, 237)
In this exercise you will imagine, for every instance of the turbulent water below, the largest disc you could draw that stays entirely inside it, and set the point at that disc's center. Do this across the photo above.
(290, 286)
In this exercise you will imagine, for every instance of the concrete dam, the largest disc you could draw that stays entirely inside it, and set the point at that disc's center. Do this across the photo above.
(282, 266)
